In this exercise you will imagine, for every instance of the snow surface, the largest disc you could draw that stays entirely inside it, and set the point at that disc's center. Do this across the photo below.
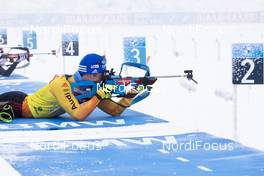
(206, 48)
(208, 106)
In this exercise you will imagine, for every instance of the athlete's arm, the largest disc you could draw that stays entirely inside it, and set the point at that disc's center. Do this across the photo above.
(114, 108)
(61, 89)
(117, 108)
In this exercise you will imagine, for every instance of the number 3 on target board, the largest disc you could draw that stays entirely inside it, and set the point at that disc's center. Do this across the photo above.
(135, 49)
(2, 40)
(136, 55)
(3, 37)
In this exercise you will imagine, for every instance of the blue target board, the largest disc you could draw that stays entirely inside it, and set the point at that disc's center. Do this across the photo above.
(70, 44)
(135, 49)
(247, 63)
(30, 39)
(3, 37)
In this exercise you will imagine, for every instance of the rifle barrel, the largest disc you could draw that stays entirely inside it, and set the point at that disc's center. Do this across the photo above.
(169, 76)
(42, 53)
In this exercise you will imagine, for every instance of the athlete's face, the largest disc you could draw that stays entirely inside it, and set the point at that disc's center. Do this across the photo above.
(93, 77)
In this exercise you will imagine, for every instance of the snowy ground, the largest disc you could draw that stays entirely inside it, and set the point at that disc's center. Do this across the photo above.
(204, 48)
(134, 144)
(207, 107)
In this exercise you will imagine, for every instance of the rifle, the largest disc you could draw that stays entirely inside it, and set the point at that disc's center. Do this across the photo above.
(22, 54)
(119, 83)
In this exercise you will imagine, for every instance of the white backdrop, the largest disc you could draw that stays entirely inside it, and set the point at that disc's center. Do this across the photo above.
(208, 106)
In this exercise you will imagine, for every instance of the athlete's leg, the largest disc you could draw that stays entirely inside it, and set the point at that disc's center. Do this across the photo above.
(11, 102)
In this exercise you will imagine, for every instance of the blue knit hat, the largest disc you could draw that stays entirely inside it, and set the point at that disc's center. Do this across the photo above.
(92, 64)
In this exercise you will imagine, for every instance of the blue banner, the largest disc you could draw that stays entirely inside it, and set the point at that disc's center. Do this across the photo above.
(192, 154)
(97, 119)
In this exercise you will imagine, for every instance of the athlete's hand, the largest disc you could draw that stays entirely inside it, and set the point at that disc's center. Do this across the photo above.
(132, 91)
(105, 91)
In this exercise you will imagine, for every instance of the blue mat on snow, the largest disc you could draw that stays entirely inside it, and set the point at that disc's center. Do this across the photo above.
(195, 154)
(13, 76)
(26, 86)
(96, 120)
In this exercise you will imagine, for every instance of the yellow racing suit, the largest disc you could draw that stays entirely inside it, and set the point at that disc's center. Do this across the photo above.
(57, 98)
